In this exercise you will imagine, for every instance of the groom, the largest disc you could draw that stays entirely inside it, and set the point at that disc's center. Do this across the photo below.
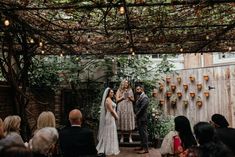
(141, 117)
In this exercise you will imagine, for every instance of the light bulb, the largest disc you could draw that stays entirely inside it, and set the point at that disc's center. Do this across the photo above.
(122, 10)
(181, 49)
(131, 49)
(6, 22)
(146, 39)
(230, 48)
(40, 44)
(31, 41)
(43, 51)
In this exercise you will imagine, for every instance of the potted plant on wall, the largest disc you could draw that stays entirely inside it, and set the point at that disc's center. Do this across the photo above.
(179, 94)
(161, 87)
(168, 79)
(192, 94)
(199, 101)
(173, 101)
(173, 87)
(185, 103)
(199, 86)
(161, 102)
(207, 94)
(185, 87)
(206, 77)
(168, 94)
(178, 79)
(192, 78)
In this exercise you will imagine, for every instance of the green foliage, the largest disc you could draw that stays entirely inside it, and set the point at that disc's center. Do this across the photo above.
(158, 125)
(43, 74)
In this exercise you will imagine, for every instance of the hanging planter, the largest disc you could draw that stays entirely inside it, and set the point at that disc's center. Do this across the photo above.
(185, 87)
(185, 103)
(161, 87)
(207, 94)
(173, 101)
(173, 87)
(192, 78)
(168, 80)
(199, 101)
(178, 79)
(154, 94)
(161, 102)
(168, 95)
(192, 94)
(179, 94)
(206, 77)
(199, 86)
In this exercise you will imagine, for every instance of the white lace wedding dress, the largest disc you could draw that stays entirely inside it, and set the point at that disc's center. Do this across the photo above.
(108, 142)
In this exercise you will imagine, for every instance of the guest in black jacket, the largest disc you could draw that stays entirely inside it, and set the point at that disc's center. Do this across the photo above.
(76, 141)
(223, 132)
(209, 145)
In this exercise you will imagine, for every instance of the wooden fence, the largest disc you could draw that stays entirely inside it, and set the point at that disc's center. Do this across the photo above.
(220, 86)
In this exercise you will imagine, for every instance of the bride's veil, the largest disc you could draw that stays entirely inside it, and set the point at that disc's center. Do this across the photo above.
(102, 113)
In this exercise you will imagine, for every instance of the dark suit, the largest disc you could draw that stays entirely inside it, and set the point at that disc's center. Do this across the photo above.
(76, 141)
(141, 117)
(227, 136)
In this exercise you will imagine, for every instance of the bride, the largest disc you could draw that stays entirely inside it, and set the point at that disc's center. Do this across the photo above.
(107, 135)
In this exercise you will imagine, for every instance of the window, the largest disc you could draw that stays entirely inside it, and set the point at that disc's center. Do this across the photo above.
(223, 57)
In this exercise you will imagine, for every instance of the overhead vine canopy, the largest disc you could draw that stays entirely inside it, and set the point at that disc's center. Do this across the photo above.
(120, 26)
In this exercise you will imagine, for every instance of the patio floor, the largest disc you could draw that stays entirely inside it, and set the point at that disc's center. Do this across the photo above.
(129, 152)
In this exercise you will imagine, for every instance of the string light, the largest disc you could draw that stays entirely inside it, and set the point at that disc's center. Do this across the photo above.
(61, 55)
(40, 44)
(146, 39)
(112, 59)
(133, 54)
(122, 10)
(43, 51)
(31, 41)
(181, 49)
(6, 22)
(131, 49)
(230, 48)
(207, 37)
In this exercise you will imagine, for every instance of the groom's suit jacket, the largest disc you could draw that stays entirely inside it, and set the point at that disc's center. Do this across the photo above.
(141, 107)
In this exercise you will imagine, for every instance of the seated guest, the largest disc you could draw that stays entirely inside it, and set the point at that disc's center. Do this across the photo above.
(209, 145)
(16, 151)
(44, 141)
(11, 127)
(182, 131)
(223, 132)
(76, 141)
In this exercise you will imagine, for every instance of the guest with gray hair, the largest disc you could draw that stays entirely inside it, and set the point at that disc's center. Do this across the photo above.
(44, 142)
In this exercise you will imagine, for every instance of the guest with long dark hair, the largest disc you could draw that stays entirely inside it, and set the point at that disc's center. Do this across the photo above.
(183, 131)
(210, 146)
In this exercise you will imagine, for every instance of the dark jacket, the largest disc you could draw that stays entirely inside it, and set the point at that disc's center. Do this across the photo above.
(76, 141)
(227, 136)
(141, 107)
